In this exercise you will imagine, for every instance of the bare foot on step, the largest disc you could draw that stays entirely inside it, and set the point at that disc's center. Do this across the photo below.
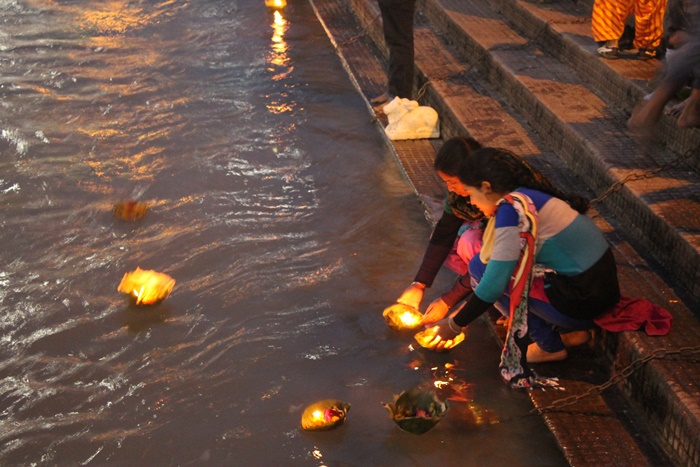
(536, 355)
(690, 116)
(574, 338)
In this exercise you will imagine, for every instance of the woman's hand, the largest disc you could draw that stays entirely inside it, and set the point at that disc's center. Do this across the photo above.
(445, 334)
(413, 295)
(436, 311)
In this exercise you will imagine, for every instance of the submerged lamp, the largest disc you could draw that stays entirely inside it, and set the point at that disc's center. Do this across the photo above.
(416, 411)
(146, 287)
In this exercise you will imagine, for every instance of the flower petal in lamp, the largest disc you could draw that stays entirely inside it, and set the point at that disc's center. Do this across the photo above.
(324, 415)
(146, 287)
(400, 316)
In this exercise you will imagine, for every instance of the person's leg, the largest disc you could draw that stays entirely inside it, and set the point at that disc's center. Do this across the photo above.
(648, 111)
(608, 24)
(548, 345)
(648, 26)
(467, 245)
(543, 334)
(690, 115)
(397, 19)
(562, 322)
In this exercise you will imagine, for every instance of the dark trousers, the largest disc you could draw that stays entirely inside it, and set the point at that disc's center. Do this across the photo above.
(397, 18)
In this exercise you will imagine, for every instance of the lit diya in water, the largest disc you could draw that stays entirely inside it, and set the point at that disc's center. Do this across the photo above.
(416, 411)
(130, 210)
(324, 415)
(146, 287)
(400, 316)
(425, 338)
(275, 4)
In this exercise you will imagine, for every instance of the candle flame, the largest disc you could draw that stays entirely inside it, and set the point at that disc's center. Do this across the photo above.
(276, 3)
(146, 287)
(409, 319)
(400, 316)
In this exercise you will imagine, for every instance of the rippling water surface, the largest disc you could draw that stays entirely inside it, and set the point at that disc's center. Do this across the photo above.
(276, 206)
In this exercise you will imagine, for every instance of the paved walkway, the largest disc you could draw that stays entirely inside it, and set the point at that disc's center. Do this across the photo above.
(524, 76)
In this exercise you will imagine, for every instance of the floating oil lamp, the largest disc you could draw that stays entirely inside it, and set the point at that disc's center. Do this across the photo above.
(275, 3)
(416, 411)
(146, 287)
(130, 210)
(324, 415)
(424, 338)
(400, 316)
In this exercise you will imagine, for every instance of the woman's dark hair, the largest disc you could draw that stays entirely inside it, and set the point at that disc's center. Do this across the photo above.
(504, 170)
(453, 151)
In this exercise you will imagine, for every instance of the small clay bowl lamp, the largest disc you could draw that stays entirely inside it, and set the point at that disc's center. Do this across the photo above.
(130, 210)
(324, 415)
(424, 338)
(416, 411)
(146, 287)
(402, 317)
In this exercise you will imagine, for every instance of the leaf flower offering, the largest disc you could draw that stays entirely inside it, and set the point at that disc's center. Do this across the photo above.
(130, 210)
(324, 415)
(424, 338)
(400, 316)
(416, 411)
(146, 287)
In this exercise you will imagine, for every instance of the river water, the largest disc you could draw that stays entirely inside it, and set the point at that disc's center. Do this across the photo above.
(274, 204)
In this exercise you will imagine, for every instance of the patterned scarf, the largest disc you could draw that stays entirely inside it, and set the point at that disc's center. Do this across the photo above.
(462, 207)
(514, 368)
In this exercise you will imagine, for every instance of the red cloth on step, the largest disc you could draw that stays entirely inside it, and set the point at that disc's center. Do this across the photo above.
(630, 314)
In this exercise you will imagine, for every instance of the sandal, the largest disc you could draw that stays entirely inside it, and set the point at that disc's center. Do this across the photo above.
(611, 53)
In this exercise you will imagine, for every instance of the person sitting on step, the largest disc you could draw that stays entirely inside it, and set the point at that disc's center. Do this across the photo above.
(457, 238)
(533, 227)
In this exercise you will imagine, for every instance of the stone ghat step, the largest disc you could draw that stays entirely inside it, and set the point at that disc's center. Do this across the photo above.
(563, 29)
(468, 97)
(589, 134)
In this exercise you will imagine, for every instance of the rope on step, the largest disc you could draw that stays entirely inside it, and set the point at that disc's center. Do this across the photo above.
(617, 186)
(658, 354)
(422, 90)
(365, 31)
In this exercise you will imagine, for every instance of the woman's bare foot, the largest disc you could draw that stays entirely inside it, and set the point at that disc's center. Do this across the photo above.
(503, 321)
(536, 355)
(574, 338)
(690, 116)
(676, 110)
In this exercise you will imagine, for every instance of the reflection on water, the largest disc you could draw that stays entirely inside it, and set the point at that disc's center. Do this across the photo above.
(275, 205)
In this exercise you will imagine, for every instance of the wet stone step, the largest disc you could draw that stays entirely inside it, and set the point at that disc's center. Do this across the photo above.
(563, 30)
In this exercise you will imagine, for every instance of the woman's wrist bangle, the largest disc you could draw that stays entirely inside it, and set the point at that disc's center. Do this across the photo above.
(418, 284)
(454, 325)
